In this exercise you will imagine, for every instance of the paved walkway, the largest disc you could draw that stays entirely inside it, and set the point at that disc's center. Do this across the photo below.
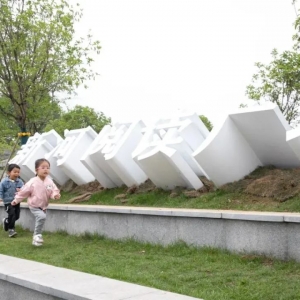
(40, 281)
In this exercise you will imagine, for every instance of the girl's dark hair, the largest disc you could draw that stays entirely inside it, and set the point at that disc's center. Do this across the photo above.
(38, 162)
(12, 166)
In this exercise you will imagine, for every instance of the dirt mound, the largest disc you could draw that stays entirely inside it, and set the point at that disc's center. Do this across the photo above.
(264, 182)
(92, 187)
(270, 182)
(147, 186)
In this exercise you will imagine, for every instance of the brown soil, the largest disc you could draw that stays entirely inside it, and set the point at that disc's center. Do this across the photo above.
(268, 182)
(264, 184)
(146, 187)
(92, 187)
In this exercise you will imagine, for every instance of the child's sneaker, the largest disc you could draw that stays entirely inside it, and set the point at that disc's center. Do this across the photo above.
(35, 243)
(5, 224)
(11, 233)
(38, 238)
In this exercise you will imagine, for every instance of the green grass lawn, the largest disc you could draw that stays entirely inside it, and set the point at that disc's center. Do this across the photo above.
(219, 199)
(202, 273)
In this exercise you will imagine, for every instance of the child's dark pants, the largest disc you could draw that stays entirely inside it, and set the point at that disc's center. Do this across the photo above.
(13, 212)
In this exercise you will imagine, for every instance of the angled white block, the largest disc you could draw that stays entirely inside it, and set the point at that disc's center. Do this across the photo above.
(174, 140)
(119, 157)
(293, 139)
(265, 130)
(226, 155)
(171, 142)
(68, 155)
(189, 126)
(109, 158)
(190, 132)
(44, 144)
(39, 151)
(55, 172)
(94, 160)
(247, 139)
(167, 169)
(52, 137)
(36, 147)
(21, 155)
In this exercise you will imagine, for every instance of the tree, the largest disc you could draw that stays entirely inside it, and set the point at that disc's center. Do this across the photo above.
(40, 58)
(206, 122)
(8, 137)
(279, 82)
(79, 117)
(8, 129)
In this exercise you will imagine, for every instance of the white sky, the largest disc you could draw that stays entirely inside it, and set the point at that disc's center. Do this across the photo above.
(160, 56)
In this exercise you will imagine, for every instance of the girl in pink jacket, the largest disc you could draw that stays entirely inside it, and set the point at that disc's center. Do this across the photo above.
(38, 190)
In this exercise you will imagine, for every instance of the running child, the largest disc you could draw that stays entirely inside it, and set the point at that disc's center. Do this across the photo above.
(38, 190)
(9, 186)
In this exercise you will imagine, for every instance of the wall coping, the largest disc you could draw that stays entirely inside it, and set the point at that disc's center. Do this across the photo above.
(68, 284)
(180, 212)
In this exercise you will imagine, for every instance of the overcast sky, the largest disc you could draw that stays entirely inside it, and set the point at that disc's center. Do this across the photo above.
(160, 56)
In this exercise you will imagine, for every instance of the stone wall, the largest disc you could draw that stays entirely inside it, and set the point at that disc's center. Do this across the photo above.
(272, 234)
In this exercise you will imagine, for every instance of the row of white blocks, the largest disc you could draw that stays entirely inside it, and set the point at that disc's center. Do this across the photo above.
(173, 152)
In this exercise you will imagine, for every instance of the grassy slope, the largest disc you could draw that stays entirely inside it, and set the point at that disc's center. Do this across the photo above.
(219, 199)
(204, 273)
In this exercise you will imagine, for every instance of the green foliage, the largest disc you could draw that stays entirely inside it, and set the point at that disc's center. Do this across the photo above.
(40, 58)
(79, 117)
(9, 132)
(279, 82)
(243, 105)
(40, 115)
(206, 122)
(4, 151)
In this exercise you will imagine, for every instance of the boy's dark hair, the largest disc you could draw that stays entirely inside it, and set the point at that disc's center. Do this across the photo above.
(12, 166)
(38, 162)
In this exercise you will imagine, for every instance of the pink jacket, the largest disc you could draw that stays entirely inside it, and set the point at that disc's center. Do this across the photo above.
(38, 192)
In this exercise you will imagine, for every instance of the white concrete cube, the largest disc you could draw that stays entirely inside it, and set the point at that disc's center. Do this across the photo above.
(68, 154)
(109, 158)
(247, 139)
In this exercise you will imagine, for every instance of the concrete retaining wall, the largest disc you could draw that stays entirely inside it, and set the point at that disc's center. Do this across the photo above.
(13, 291)
(272, 234)
(30, 280)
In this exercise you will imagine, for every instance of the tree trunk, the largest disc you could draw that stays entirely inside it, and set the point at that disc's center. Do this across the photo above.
(23, 138)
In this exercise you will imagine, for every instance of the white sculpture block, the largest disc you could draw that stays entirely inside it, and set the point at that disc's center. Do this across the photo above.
(68, 154)
(293, 139)
(109, 157)
(247, 139)
(55, 172)
(165, 152)
(173, 152)
(22, 154)
(36, 147)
